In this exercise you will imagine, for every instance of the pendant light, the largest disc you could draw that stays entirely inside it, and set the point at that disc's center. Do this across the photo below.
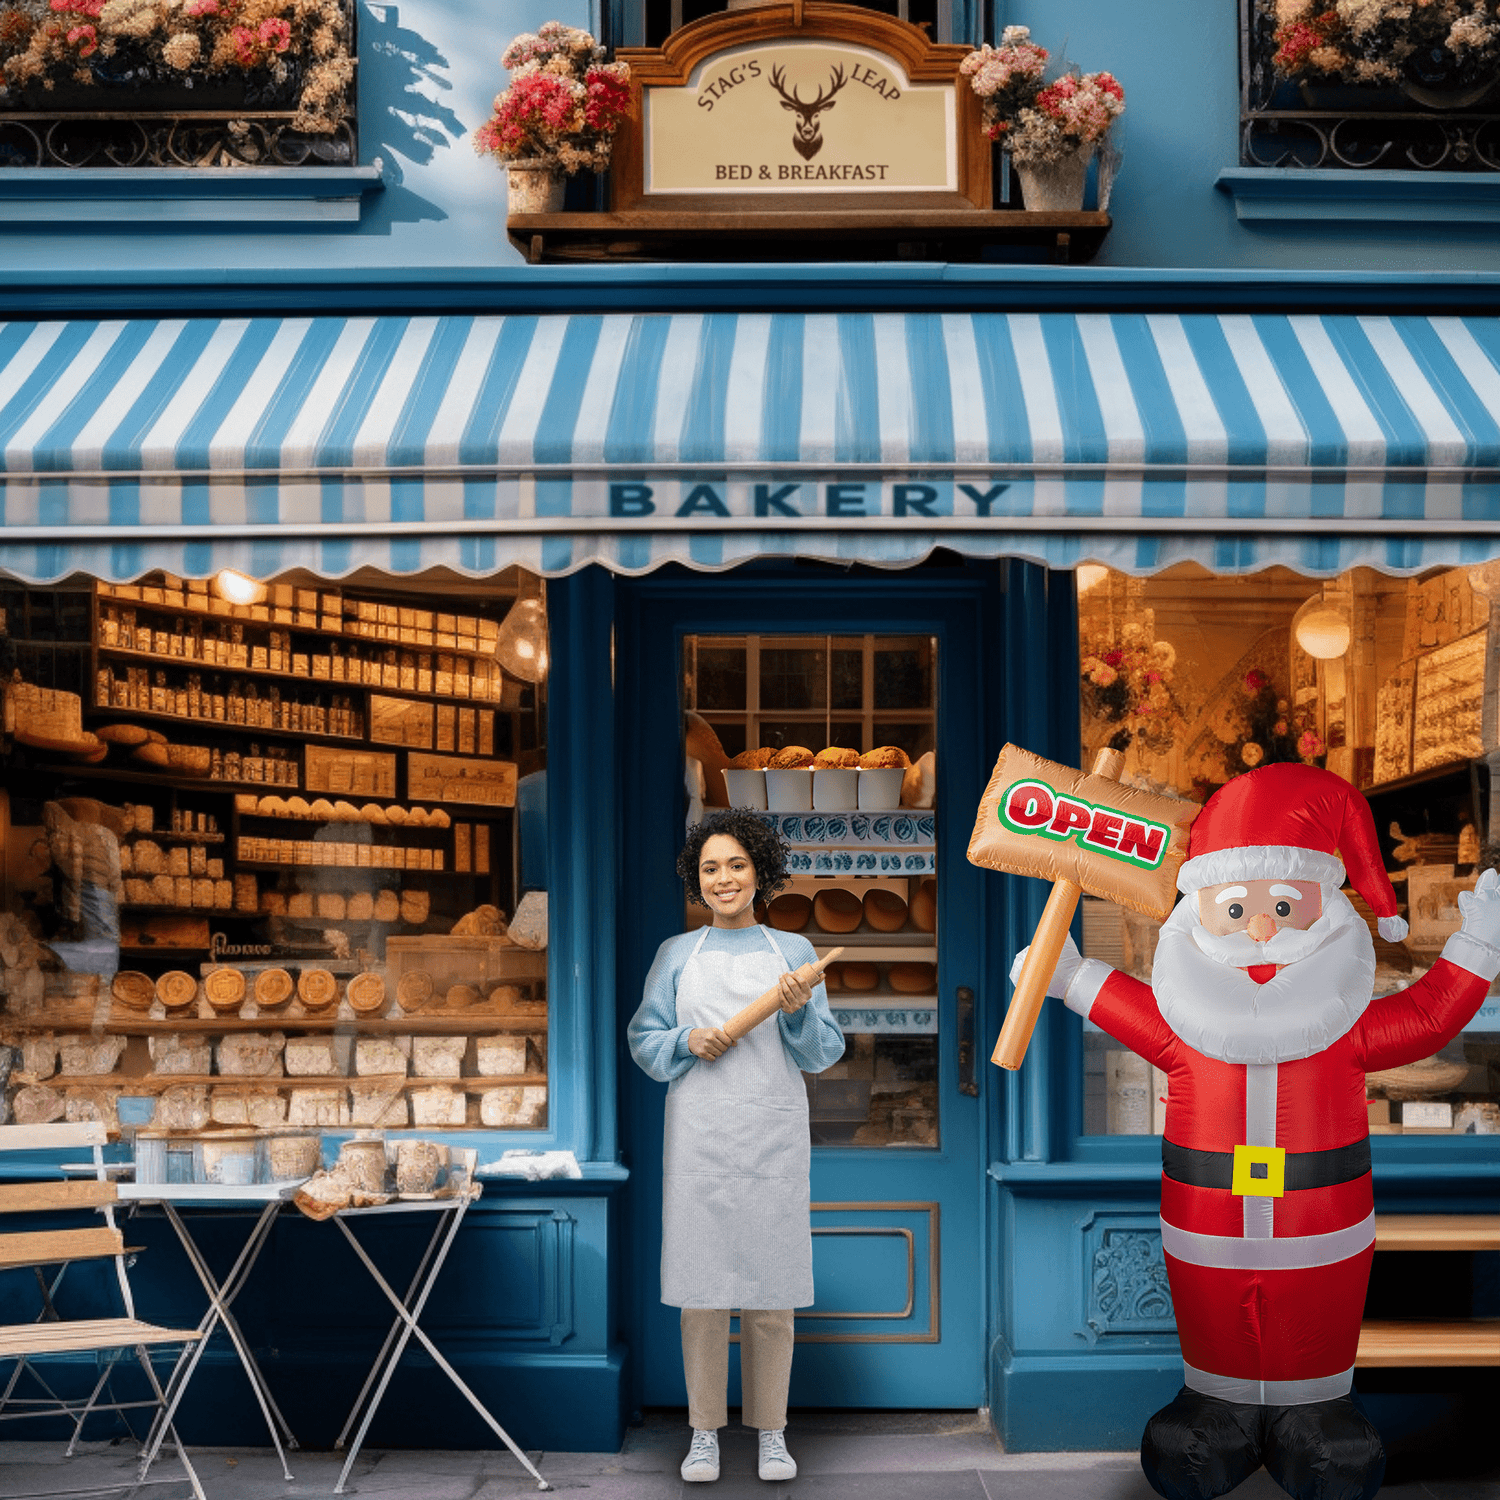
(1322, 629)
(521, 648)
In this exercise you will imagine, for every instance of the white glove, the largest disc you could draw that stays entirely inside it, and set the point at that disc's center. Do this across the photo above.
(1480, 909)
(1068, 962)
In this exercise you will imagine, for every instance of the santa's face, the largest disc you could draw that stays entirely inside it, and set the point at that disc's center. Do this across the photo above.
(1260, 908)
(1248, 922)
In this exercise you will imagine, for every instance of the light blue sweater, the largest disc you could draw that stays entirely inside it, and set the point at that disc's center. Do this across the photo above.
(660, 1046)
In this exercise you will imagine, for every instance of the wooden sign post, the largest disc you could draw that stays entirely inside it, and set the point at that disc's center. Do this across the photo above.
(1085, 834)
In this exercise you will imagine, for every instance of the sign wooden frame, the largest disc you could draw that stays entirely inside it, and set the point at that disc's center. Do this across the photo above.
(923, 62)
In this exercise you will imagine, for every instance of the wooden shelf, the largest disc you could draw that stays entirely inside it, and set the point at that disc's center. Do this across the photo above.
(149, 909)
(197, 664)
(1429, 1345)
(224, 726)
(239, 615)
(164, 778)
(432, 1023)
(156, 1083)
(164, 837)
(666, 234)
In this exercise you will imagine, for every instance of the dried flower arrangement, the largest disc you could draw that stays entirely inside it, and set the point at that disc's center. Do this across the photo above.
(1261, 728)
(1039, 122)
(1125, 684)
(300, 44)
(564, 103)
(1382, 41)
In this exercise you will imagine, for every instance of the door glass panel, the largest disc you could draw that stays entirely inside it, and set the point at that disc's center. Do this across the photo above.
(855, 692)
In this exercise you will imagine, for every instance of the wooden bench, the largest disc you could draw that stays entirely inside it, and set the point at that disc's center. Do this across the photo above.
(52, 1250)
(1432, 1343)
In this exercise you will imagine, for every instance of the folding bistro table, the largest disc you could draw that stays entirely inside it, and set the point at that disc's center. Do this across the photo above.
(448, 1214)
(270, 1198)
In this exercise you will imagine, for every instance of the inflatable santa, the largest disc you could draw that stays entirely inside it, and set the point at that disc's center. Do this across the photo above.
(1260, 1012)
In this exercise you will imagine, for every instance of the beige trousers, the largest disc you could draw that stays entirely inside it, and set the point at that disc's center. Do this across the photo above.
(765, 1365)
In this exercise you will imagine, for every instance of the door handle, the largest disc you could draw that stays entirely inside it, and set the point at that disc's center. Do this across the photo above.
(967, 1084)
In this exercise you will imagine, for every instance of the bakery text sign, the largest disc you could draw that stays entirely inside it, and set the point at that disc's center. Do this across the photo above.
(846, 499)
(796, 116)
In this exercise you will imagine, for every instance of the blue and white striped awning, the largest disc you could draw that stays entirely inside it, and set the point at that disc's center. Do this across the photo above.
(470, 443)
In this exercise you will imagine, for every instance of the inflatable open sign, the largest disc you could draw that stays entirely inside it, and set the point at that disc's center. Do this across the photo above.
(1057, 823)
(1032, 807)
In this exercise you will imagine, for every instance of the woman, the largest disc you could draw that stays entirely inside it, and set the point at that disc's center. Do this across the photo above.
(736, 1229)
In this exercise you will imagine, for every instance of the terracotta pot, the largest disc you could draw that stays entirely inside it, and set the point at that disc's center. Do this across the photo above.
(534, 186)
(1055, 187)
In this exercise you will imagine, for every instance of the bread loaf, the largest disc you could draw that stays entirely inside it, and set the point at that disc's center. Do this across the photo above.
(702, 745)
(176, 989)
(133, 991)
(837, 910)
(752, 760)
(791, 758)
(883, 758)
(790, 911)
(885, 911)
(924, 907)
(366, 992)
(860, 976)
(273, 987)
(836, 758)
(913, 979)
(317, 988)
(225, 988)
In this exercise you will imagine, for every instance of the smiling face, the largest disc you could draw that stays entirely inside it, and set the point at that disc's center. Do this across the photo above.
(727, 880)
(1259, 908)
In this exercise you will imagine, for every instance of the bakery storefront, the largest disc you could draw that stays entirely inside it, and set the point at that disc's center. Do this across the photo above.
(362, 674)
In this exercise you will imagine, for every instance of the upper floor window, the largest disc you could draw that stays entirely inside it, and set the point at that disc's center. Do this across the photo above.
(1370, 83)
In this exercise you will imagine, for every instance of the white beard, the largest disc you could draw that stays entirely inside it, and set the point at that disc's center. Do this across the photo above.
(1209, 1001)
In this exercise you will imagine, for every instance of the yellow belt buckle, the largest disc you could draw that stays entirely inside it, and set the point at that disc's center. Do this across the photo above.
(1259, 1172)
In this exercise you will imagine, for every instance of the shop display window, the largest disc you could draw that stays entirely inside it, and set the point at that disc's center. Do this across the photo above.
(320, 917)
(1200, 678)
(863, 849)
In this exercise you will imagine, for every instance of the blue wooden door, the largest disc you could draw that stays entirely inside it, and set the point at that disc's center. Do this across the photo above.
(898, 1252)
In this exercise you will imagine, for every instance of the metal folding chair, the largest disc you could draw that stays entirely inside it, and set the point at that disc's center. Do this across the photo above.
(110, 1340)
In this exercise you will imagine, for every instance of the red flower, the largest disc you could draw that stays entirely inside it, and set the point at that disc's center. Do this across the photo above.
(1256, 681)
(1114, 658)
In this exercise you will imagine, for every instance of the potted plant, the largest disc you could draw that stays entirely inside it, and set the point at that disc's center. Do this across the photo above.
(559, 115)
(115, 55)
(1051, 130)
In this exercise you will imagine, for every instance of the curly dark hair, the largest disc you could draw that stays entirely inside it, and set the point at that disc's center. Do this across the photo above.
(759, 839)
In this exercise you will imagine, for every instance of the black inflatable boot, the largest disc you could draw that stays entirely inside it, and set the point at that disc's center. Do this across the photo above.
(1198, 1446)
(1327, 1450)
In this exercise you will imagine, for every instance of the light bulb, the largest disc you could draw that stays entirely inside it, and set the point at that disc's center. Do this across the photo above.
(1322, 629)
(238, 588)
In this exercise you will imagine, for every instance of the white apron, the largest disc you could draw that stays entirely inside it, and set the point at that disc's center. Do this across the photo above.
(736, 1222)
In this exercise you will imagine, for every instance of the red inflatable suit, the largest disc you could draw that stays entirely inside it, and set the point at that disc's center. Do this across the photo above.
(1260, 1011)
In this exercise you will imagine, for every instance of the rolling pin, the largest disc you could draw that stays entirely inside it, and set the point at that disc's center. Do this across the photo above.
(769, 1003)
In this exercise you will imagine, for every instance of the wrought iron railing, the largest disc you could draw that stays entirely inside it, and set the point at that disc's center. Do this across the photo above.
(134, 115)
(1438, 118)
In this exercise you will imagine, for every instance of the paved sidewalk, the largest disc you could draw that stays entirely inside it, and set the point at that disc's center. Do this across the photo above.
(865, 1456)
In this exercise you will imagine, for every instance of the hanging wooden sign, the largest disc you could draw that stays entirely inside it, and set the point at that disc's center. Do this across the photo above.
(789, 106)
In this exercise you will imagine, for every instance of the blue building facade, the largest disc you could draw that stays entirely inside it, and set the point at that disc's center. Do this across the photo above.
(600, 387)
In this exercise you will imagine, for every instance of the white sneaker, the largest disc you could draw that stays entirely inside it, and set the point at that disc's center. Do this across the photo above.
(775, 1461)
(702, 1463)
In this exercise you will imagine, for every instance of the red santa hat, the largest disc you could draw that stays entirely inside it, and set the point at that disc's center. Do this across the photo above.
(1291, 822)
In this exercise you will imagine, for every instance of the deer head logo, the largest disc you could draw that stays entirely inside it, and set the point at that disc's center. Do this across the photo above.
(807, 136)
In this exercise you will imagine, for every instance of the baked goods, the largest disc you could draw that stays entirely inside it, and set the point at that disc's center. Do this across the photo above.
(317, 988)
(702, 745)
(273, 987)
(837, 910)
(123, 734)
(415, 906)
(924, 907)
(860, 976)
(189, 760)
(790, 911)
(791, 758)
(176, 989)
(332, 907)
(387, 906)
(919, 784)
(836, 758)
(752, 760)
(461, 996)
(884, 758)
(366, 992)
(225, 988)
(912, 979)
(152, 754)
(414, 989)
(885, 911)
(133, 991)
(360, 907)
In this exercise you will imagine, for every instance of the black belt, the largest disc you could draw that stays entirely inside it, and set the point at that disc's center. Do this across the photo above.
(1304, 1169)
